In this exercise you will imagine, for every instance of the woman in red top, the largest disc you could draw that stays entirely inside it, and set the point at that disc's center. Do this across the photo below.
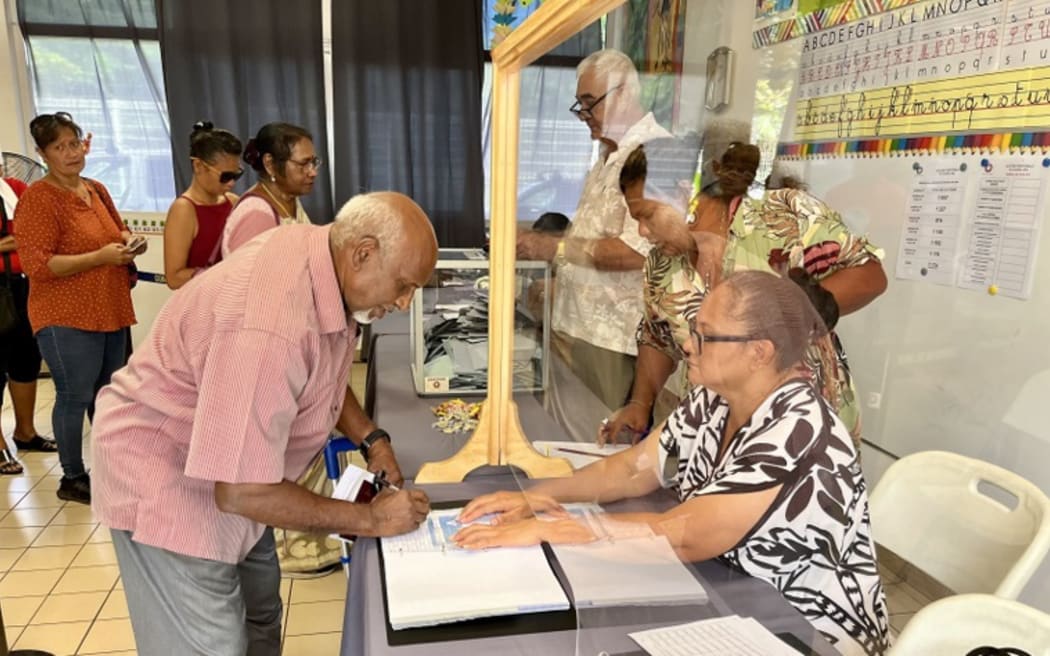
(19, 355)
(76, 250)
(193, 228)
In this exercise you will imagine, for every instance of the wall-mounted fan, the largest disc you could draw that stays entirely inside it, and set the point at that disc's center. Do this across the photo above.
(22, 168)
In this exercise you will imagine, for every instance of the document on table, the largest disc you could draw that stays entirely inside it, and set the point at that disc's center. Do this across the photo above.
(579, 454)
(633, 571)
(430, 581)
(722, 636)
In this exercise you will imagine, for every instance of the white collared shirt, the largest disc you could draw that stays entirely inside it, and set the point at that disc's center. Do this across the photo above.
(603, 308)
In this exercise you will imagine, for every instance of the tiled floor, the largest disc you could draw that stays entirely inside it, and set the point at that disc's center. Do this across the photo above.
(902, 598)
(60, 589)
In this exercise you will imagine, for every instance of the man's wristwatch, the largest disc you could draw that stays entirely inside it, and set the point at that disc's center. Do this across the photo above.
(372, 438)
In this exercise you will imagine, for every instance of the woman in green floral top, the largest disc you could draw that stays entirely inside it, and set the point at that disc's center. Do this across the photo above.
(787, 231)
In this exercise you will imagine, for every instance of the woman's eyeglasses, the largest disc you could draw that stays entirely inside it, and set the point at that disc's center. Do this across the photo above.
(309, 164)
(587, 113)
(225, 177)
(699, 338)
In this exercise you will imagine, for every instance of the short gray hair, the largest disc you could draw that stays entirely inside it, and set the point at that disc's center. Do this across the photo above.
(368, 215)
(615, 68)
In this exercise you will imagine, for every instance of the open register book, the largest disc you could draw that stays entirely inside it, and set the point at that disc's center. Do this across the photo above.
(429, 580)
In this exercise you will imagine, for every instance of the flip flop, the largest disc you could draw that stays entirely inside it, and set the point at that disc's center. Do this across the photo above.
(37, 443)
(8, 465)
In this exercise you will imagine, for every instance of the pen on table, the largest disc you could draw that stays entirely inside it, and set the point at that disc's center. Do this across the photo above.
(581, 453)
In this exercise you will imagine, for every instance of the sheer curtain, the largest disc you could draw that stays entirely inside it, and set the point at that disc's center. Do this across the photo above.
(99, 60)
(240, 66)
(407, 101)
(554, 147)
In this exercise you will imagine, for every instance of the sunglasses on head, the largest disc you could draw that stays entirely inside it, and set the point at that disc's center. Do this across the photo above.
(224, 176)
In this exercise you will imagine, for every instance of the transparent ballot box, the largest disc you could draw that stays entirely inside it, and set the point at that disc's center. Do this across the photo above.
(450, 326)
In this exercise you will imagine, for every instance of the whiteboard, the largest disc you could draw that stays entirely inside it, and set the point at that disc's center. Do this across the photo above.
(940, 367)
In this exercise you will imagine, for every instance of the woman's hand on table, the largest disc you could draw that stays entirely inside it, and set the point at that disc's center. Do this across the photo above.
(632, 419)
(510, 507)
(524, 533)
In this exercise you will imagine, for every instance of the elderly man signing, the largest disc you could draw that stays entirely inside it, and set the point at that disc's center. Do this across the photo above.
(243, 375)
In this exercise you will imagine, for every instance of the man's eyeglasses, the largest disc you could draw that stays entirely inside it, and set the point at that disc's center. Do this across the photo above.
(312, 163)
(699, 338)
(224, 176)
(587, 113)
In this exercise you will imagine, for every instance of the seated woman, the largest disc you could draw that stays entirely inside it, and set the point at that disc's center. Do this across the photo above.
(766, 474)
(195, 221)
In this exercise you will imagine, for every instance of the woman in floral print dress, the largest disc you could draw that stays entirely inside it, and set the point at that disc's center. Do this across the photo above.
(785, 230)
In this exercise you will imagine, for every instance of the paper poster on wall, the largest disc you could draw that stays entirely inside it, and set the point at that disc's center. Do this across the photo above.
(925, 41)
(1003, 225)
(930, 239)
(1026, 35)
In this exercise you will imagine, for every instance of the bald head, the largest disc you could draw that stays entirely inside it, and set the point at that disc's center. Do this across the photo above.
(393, 219)
(383, 247)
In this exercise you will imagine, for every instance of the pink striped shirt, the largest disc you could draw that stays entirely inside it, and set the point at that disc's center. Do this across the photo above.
(240, 380)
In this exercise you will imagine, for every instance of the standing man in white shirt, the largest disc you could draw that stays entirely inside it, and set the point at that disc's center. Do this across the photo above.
(598, 296)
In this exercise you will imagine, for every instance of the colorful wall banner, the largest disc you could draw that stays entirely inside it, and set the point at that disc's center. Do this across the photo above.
(962, 144)
(826, 17)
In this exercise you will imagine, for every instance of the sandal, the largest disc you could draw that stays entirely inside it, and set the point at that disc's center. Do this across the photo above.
(8, 464)
(37, 443)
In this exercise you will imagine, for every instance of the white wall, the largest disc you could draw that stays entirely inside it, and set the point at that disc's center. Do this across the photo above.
(710, 24)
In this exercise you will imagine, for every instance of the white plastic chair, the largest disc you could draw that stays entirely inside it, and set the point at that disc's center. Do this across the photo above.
(956, 625)
(931, 510)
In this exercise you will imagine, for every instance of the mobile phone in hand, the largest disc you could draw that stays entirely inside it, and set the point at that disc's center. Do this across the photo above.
(137, 245)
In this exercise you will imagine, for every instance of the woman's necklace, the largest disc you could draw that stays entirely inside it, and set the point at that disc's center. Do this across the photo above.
(79, 189)
(280, 205)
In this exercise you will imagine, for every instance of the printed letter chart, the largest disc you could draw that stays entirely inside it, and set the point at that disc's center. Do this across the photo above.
(930, 239)
(1004, 224)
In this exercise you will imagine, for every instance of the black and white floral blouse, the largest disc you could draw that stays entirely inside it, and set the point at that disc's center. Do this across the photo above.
(814, 543)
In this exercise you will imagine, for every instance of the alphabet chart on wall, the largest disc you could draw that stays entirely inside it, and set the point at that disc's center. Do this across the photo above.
(924, 41)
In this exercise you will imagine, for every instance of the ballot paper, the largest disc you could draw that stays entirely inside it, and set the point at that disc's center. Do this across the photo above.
(722, 636)
(638, 570)
(430, 581)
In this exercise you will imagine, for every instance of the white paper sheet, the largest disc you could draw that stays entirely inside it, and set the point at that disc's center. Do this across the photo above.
(933, 225)
(722, 636)
(579, 454)
(640, 571)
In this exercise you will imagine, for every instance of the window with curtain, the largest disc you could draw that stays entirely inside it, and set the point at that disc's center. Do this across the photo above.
(99, 60)
(554, 148)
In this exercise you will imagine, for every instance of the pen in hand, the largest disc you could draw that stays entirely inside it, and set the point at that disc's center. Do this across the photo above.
(381, 483)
